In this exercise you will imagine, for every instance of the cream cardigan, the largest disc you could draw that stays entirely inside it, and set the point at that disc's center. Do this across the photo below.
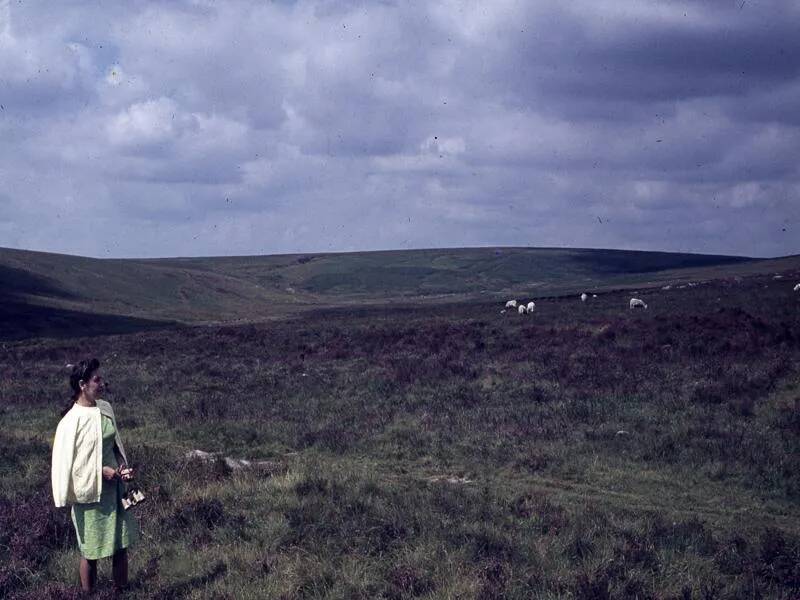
(77, 472)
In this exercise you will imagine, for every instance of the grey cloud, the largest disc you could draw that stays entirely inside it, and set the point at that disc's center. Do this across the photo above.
(579, 68)
(212, 128)
(35, 79)
(778, 104)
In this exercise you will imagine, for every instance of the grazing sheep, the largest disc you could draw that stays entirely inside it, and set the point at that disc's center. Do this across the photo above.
(584, 297)
(636, 303)
(594, 295)
(502, 312)
(531, 306)
(521, 309)
(797, 288)
(511, 304)
(667, 287)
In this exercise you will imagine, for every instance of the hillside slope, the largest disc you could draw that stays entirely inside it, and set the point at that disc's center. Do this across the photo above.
(192, 290)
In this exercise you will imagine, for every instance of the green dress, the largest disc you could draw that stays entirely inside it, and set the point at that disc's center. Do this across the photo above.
(105, 527)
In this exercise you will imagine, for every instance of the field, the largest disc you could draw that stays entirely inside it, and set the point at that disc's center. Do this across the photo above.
(52, 295)
(438, 451)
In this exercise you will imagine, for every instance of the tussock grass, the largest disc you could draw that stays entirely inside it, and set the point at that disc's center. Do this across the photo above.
(586, 451)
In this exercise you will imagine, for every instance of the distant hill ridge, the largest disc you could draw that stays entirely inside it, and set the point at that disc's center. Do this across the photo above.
(227, 288)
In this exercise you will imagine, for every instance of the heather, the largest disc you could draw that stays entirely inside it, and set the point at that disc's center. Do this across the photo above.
(440, 451)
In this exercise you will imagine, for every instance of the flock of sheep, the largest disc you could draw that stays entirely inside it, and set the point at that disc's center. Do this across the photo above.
(522, 308)
(528, 308)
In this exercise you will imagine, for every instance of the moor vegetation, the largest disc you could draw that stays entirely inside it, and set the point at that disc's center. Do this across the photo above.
(449, 451)
(56, 295)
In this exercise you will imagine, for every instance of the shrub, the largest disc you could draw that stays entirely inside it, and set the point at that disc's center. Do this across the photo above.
(494, 575)
(207, 514)
(690, 535)
(780, 557)
(548, 518)
(486, 542)
(31, 528)
(408, 581)
(592, 586)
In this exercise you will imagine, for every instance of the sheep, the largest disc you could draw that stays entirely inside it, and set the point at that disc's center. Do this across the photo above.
(594, 295)
(636, 303)
(502, 312)
(667, 287)
(584, 297)
(521, 309)
(511, 304)
(531, 306)
(797, 288)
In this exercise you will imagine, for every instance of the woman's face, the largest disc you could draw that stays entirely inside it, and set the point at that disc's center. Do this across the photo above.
(93, 388)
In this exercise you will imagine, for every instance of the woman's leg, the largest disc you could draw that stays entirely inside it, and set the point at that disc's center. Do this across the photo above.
(88, 572)
(120, 568)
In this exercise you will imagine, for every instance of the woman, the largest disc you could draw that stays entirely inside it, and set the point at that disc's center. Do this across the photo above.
(89, 464)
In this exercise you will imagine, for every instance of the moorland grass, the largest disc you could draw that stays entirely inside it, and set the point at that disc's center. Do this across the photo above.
(586, 451)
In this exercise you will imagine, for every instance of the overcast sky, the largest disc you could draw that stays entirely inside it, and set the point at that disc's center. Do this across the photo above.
(201, 128)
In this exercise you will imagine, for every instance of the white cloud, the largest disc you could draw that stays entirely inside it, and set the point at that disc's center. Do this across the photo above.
(149, 122)
(435, 145)
(311, 126)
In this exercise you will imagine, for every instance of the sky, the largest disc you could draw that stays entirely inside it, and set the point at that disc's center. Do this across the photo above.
(200, 128)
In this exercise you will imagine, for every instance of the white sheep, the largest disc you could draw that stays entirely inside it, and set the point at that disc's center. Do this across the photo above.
(511, 304)
(584, 297)
(636, 303)
(797, 288)
(521, 309)
(594, 295)
(531, 306)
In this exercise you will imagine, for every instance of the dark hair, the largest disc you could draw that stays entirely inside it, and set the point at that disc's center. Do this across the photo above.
(83, 371)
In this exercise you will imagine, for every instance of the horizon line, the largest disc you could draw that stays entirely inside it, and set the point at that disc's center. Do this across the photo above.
(396, 250)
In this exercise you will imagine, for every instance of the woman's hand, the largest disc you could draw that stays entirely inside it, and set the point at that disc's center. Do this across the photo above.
(109, 473)
(125, 472)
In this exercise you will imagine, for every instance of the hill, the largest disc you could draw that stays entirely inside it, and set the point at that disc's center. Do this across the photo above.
(41, 292)
(437, 450)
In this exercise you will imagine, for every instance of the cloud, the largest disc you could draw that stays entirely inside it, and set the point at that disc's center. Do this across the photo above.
(39, 76)
(147, 123)
(195, 128)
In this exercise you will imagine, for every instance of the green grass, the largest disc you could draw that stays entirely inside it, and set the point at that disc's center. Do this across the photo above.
(48, 291)
(438, 451)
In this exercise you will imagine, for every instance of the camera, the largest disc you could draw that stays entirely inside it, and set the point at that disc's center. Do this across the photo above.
(132, 496)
